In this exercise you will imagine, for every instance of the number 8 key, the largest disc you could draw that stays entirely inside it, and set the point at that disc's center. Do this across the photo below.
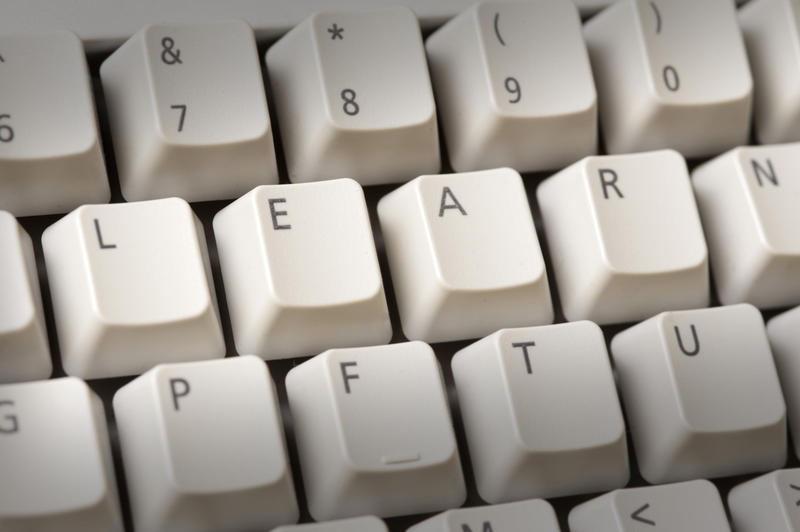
(354, 98)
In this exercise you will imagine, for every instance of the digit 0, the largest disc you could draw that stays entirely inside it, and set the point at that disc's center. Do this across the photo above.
(350, 106)
(671, 79)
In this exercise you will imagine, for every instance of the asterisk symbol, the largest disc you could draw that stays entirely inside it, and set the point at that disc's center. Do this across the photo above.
(336, 32)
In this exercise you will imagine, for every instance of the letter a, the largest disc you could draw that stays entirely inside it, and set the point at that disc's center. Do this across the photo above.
(443, 205)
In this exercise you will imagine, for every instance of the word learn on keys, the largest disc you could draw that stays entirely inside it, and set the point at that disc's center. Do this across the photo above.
(400, 266)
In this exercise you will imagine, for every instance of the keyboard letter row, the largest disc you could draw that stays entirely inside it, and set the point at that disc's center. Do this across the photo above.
(129, 275)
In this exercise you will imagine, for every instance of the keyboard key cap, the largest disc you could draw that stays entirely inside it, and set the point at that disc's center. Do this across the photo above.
(521, 516)
(682, 507)
(771, 30)
(374, 433)
(56, 459)
(748, 200)
(658, 86)
(131, 286)
(625, 237)
(541, 413)
(187, 112)
(769, 502)
(500, 70)
(24, 351)
(50, 155)
(783, 331)
(354, 97)
(464, 255)
(300, 270)
(356, 524)
(701, 394)
(186, 473)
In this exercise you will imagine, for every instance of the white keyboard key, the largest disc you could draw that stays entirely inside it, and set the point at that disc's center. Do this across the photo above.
(748, 200)
(186, 473)
(500, 70)
(24, 351)
(659, 85)
(541, 413)
(50, 155)
(188, 114)
(354, 97)
(356, 524)
(55, 459)
(374, 432)
(771, 30)
(687, 506)
(521, 516)
(300, 270)
(769, 502)
(625, 237)
(784, 337)
(464, 255)
(701, 394)
(131, 286)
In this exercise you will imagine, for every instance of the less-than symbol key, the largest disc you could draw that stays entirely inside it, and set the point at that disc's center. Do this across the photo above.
(637, 517)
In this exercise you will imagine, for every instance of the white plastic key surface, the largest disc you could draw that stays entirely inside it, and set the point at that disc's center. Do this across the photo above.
(464, 256)
(671, 74)
(701, 394)
(103, 25)
(50, 155)
(132, 288)
(55, 459)
(771, 30)
(625, 237)
(769, 502)
(521, 516)
(541, 413)
(682, 507)
(783, 331)
(300, 270)
(514, 86)
(203, 448)
(24, 351)
(188, 114)
(374, 432)
(749, 200)
(355, 524)
(354, 97)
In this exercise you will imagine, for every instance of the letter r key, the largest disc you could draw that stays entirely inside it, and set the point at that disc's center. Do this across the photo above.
(625, 237)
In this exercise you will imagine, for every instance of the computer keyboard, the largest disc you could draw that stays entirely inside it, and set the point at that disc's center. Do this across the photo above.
(512, 266)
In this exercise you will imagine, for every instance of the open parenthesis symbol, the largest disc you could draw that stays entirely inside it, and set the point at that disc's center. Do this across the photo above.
(497, 28)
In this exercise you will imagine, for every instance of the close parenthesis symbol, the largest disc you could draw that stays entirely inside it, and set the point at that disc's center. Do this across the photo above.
(497, 28)
(658, 17)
